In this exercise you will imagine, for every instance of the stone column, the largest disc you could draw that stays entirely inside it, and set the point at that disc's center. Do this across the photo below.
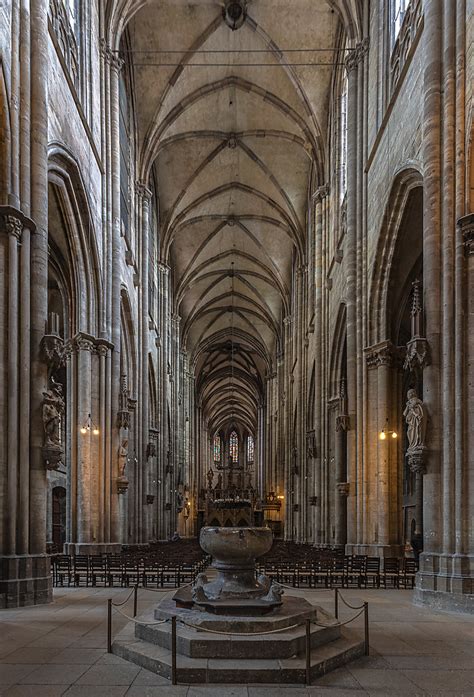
(382, 535)
(113, 65)
(350, 255)
(144, 197)
(342, 486)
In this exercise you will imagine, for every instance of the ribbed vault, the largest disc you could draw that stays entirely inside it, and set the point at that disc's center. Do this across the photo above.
(235, 148)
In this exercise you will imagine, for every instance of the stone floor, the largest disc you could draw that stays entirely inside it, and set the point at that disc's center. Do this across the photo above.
(60, 649)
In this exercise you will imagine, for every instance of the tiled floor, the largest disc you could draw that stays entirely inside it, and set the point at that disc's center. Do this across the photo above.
(60, 649)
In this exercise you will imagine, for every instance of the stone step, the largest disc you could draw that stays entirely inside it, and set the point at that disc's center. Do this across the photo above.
(203, 644)
(221, 670)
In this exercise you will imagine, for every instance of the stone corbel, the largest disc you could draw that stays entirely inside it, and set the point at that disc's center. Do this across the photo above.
(343, 422)
(417, 354)
(343, 489)
(122, 485)
(416, 459)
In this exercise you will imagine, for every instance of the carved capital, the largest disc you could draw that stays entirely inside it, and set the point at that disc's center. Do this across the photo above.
(143, 191)
(383, 354)
(13, 226)
(356, 55)
(111, 57)
(82, 342)
(466, 227)
(321, 193)
(102, 347)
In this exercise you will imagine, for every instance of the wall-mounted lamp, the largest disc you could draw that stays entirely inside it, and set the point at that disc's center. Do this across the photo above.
(89, 427)
(280, 496)
(385, 432)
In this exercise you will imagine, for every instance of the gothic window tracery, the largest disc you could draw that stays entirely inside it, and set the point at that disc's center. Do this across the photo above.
(217, 448)
(234, 447)
(398, 13)
(250, 449)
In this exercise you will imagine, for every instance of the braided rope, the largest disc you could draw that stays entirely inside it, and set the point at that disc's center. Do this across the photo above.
(125, 601)
(216, 631)
(133, 619)
(339, 624)
(352, 607)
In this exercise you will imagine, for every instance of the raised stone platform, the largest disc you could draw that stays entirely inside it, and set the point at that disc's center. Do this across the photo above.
(227, 657)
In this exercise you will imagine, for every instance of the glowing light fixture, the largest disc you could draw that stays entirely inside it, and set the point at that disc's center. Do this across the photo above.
(89, 427)
(385, 432)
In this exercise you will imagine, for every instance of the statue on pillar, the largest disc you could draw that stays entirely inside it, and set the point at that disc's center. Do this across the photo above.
(122, 481)
(415, 417)
(219, 481)
(52, 411)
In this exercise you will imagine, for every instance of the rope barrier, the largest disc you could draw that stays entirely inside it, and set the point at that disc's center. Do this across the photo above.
(340, 624)
(132, 619)
(166, 590)
(126, 599)
(352, 607)
(216, 631)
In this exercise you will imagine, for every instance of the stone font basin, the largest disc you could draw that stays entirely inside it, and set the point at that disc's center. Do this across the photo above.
(235, 547)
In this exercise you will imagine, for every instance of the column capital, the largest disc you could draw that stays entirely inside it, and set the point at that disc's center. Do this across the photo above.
(163, 268)
(111, 56)
(142, 190)
(82, 342)
(13, 221)
(356, 55)
(466, 227)
(385, 353)
(321, 193)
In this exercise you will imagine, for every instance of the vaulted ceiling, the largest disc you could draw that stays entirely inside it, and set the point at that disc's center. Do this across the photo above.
(233, 123)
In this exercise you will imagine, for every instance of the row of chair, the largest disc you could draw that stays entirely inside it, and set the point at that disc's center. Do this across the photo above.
(120, 570)
(344, 572)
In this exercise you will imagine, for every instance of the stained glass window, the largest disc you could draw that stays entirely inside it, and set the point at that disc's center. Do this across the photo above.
(398, 13)
(234, 447)
(250, 448)
(217, 448)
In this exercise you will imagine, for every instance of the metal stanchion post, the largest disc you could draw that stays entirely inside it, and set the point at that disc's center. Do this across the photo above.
(135, 600)
(336, 603)
(109, 625)
(366, 628)
(174, 680)
(308, 652)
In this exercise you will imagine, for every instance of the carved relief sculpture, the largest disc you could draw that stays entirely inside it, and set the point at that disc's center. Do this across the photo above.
(53, 410)
(122, 481)
(415, 417)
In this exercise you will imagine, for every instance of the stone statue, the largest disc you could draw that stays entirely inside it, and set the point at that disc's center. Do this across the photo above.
(275, 593)
(415, 417)
(219, 481)
(53, 409)
(122, 458)
(198, 593)
(239, 481)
